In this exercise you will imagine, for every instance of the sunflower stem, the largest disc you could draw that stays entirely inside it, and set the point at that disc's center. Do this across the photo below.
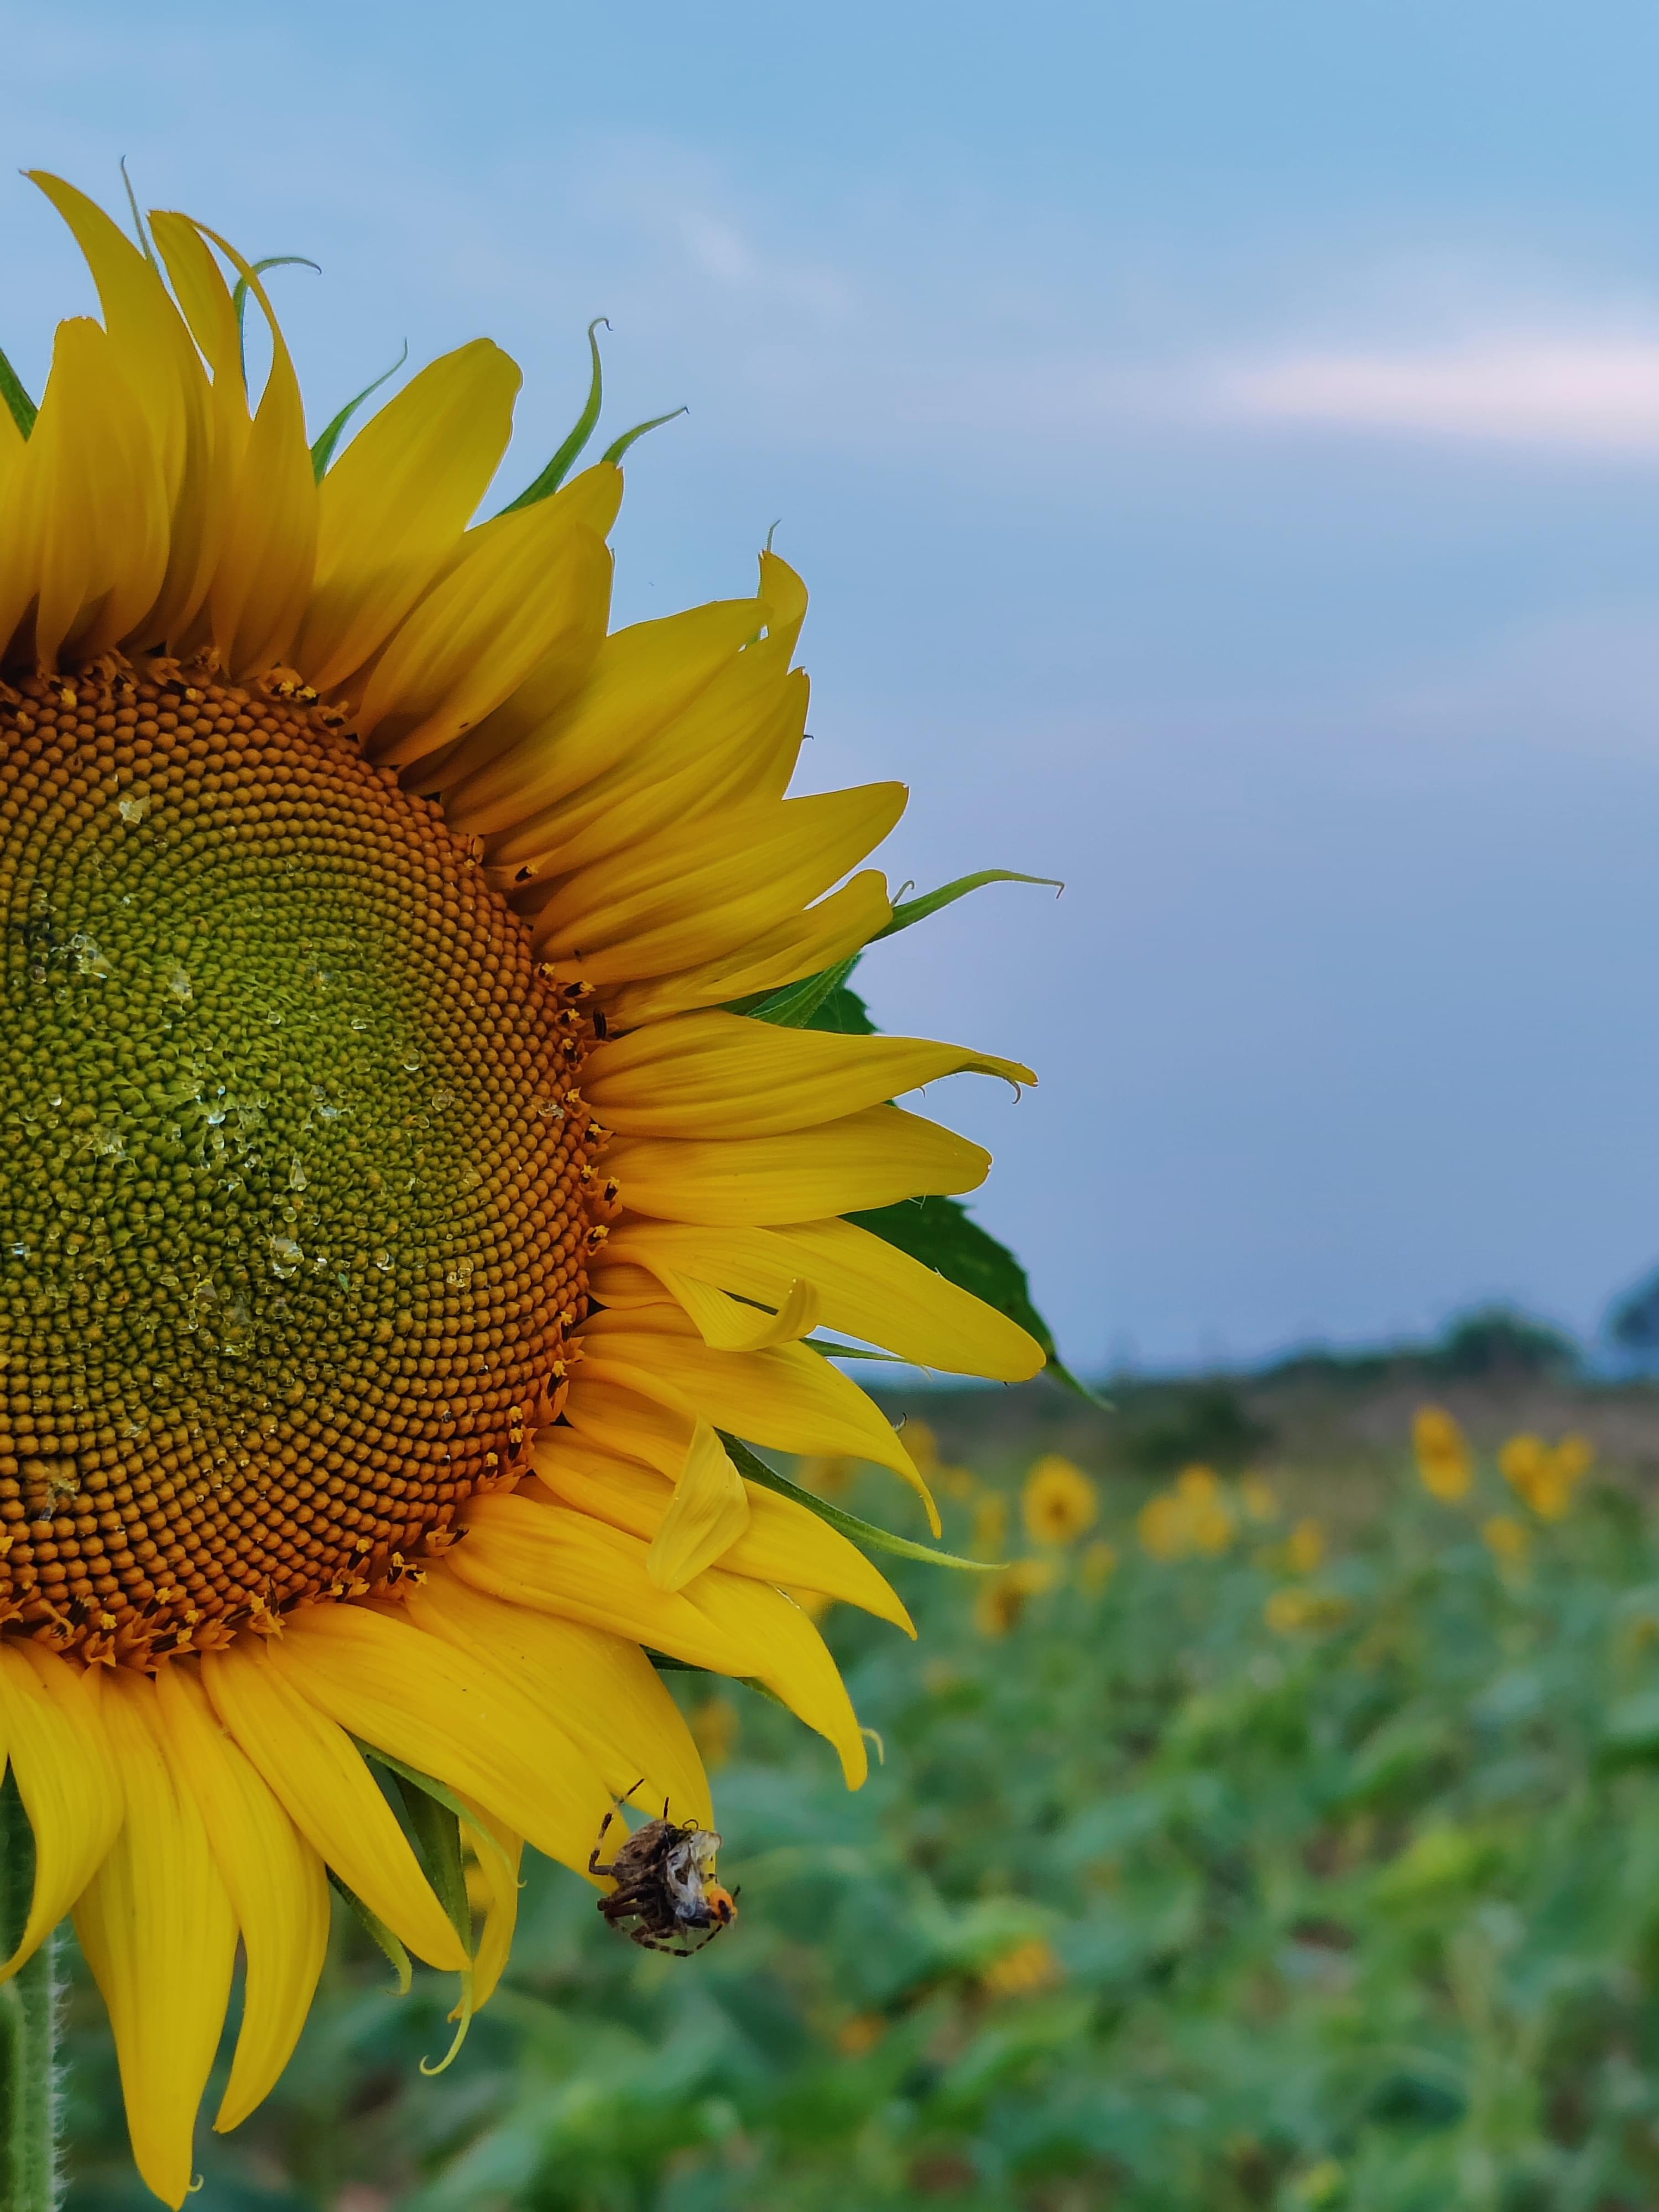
(29, 2031)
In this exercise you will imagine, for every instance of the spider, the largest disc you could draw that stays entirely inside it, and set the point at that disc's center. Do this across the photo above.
(665, 1898)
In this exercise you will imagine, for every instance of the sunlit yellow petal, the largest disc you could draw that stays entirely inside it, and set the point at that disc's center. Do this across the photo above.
(317, 1776)
(276, 1884)
(603, 1689)
(455, 1716)
(66, 1776)
(804, 946)
(721, 1075)
(707, 1512)
(864, 1160)
(157, 1928)
(394, 504)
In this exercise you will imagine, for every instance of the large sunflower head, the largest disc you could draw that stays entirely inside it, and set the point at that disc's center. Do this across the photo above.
(416, 1176)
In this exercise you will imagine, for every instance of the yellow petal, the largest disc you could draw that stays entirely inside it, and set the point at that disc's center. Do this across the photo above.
(500, 1872)
(642, 677)
(786, 1396)
(623, 1422)
(607, 1692)
(526, 581)
(783, 1543)
(695, 891)
(707, 1512)
(564, 1563)
(864, 1160)
(87, 537)
(867, 1288)
(458, 1717)
(723, 1075)
(157, 1928)
(721, 1322)
(317, 1774)
(804, 946)
(735, 744)
(392, 507)
(268, 554)
(277, 1883)
(66, 1777)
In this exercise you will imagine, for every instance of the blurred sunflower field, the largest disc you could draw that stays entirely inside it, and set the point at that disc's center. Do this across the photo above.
(1246, 1833)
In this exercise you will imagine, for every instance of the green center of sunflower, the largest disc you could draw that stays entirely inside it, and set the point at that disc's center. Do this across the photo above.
(291, 1223)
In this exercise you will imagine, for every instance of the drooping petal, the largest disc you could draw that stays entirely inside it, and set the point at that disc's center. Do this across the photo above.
(864, 1160)
(786, 1396)
(317, 1774)
(66, 1778)
(868, 1287)
(277, 1883)
(158, 1931)
(559, 1562)
(706, 1513)
(782, 1543)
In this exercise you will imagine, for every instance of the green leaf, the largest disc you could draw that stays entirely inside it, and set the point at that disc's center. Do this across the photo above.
(819, 1002)
(21, 408)
(379, 1933)
(239, 296)
(754, 1469)
(614, 452)
(560, 466)
(917, 909)
(944, 1236)
(323, 452)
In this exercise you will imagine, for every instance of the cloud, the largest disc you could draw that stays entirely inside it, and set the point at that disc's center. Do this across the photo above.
(1595, 394)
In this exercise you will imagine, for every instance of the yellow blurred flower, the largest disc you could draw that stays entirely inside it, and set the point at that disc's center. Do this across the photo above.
(1304, 1550)
(714, 1724)
(1059, 1501)
(1259, 1499)
(1445, 1464)
(990, 1524)
(1543, 1476)
(954, 1481)
(1320, 2186)
(1097, 1566)
(826, 1474)
(1193, 1516)
(1001, 1598)
(922, 1445)
(1508, 1540)
(1297, 1610)
(1030, 1966)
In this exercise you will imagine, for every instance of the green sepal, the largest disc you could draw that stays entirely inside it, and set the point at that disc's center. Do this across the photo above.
(754, 1469)
(21, 408)
(944, 1236)
(917, 909)
(376, 1928)
(831, 1350)
(323, 452)
(803, 1005)
(666, 1665)
(560, 466)
(239, 295)
(614, 452)
(439, 1791)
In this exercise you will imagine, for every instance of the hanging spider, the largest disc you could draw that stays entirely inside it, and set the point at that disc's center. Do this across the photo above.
(667, 1898)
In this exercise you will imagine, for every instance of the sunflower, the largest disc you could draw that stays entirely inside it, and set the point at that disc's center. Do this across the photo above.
(406, 1206)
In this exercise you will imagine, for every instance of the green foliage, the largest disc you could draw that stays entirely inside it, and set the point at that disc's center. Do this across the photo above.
(1363, 1916)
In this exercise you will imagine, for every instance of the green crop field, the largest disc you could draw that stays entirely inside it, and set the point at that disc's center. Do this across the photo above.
(1315, 1863)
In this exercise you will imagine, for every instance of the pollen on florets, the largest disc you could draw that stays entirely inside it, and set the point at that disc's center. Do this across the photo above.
(292, 1200)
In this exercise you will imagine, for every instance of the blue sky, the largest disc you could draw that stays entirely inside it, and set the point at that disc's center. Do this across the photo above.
(1223, 446)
